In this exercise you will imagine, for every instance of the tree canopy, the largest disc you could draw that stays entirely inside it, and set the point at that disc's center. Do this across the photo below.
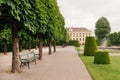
(40, 19)
(102, 29)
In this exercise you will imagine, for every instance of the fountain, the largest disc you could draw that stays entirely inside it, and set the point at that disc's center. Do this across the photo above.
(104, 44)
(112, 49)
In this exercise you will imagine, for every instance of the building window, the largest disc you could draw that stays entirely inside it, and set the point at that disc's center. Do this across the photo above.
(80, 34)
(76, 38)
(80, 39)
(76, 34)
(83, 39)
(73, 34)
(83, 34)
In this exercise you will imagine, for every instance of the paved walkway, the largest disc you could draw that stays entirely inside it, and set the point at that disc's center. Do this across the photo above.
(62, 65)
(114, 54)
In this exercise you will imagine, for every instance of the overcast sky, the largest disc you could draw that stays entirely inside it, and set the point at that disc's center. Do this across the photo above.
(85, 13)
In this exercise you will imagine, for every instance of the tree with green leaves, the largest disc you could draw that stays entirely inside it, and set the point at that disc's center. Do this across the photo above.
(5, 38)
(41, 20)
(114, 38)
(26, 38)
(102, 29)
(17, 14)
(58, 25)
(52, 23)
(55, 24)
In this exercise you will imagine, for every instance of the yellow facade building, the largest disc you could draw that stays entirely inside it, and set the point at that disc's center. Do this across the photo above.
(79, 34)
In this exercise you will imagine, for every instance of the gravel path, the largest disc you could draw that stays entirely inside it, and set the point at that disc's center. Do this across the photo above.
(65, 64)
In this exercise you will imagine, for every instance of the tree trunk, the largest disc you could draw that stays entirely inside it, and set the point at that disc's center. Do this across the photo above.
(40, 48)
(54, 46)
(29, 45)
(5, 48)
(36, 45)
(64, 45)
(15, 53)
(20, 46)
(50, 52)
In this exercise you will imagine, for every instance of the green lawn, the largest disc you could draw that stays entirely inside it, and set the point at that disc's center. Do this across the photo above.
(77, 48)
(103, 72)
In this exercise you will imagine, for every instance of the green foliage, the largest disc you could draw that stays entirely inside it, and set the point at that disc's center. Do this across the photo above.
(5, 38)
(74, 43)
(71, 42)
(99, 42)
(77, 44)
(65, 37)
(102, 29)
(32, 19)
(90, 46)
(108, 43)
(51, 22)
(114, 38)
(20, 11)
(55, 25)
(101, 57)
(5, 35)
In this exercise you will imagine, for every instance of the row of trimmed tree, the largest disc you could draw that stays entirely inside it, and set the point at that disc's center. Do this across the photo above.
(28, 20)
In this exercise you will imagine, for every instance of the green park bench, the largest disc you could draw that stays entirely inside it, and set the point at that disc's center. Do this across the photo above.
(26, 58)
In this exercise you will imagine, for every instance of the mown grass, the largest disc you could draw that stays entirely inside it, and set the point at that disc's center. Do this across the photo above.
(103, 72)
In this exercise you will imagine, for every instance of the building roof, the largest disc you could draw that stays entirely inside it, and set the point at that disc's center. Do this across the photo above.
(77, 29)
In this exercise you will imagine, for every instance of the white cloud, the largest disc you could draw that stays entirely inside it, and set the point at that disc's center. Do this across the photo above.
(85, 13)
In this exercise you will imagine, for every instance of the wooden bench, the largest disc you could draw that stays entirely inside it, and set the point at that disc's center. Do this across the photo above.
(26, 58)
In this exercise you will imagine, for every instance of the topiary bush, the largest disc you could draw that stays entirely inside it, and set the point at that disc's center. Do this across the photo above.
(101, 57)
(90, 46)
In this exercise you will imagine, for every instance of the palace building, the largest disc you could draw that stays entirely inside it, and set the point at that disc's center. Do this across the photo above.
(79, 34)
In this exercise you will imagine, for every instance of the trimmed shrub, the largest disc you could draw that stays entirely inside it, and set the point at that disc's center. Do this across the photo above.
(74, 43)
(59, 42)
(101, 57)
(90, 46)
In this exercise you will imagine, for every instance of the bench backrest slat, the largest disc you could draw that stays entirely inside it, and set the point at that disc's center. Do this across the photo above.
(26, 55)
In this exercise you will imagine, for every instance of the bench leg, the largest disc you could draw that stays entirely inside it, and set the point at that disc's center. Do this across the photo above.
(28, 65)
(35, 61)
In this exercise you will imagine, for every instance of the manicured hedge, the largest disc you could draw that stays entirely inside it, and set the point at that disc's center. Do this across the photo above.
(101, 57)
(90, 46)
(74, 43)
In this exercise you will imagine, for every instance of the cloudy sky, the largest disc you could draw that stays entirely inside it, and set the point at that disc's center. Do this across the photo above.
(85, 13)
